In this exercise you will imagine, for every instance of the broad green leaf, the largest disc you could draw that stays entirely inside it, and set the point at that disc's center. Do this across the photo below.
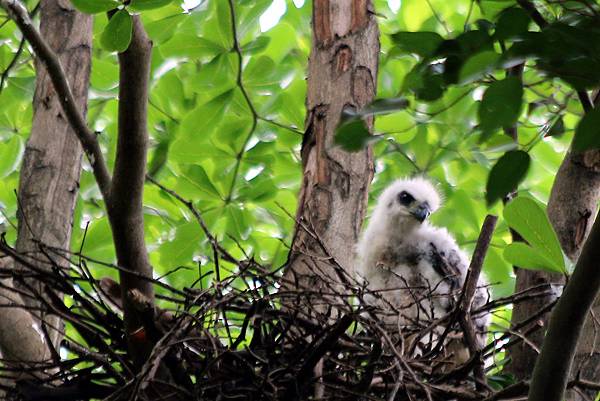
(259, 189)
(138, 5)
(162, 30)
(353, 135)
(198, 177)
(105, 74)
(501, 104)
(506, 175)
(425, 82)
(529, 219)
(521, 255)
(190, 45)
(216, 76)
(260, 72)
(10, 155)
(512, 22)
(237, 226)
(587, 133)
(181, 249)
(218, 27)
(477, 66)
(95, 6)
(198, 126)
(422, 43)
(256, 46)
(117, 33)
(159, 157)
(98, 240)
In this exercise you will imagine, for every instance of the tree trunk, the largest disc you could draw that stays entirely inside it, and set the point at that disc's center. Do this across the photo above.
(334, 192)
(49, 179)
(575, 197)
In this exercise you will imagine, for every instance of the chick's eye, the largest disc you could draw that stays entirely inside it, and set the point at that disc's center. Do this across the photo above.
(405, 198)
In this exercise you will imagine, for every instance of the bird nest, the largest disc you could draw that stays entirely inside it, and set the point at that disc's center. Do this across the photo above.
(242, 337)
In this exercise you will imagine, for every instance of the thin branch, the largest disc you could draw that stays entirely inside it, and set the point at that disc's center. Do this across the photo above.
(469, 289)
(238, 51)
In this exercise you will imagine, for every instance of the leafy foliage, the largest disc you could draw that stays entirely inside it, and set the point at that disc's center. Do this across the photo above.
(526, 217)
(117, 34)
(506, 175)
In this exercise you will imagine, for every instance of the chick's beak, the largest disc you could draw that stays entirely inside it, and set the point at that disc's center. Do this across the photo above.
(421, 211)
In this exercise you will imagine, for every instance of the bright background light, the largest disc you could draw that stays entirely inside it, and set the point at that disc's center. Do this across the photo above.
(271, 17)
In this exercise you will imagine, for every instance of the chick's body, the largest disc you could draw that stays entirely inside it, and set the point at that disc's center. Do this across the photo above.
(414, 271)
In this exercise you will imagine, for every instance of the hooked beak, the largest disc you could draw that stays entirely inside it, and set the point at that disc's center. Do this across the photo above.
(421, 212)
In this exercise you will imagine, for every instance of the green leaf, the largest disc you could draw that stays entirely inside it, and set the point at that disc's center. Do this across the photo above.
(422, 43)
(95, 6)
(181, 250)
(117, 33)
(198, 177)
(256, 46)
(353, 135)
(477, 66)
(425, 82)
(236, 222)
(501, 104)
(259, 189)
(506, 175)
(529, 219)
(159, 157)
(10, 155)
(138, 5)
(260, 72)
(522, 255)
(163, 29)
(587, 132)
(512, 22)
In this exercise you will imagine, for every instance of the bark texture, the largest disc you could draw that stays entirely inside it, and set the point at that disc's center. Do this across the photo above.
(573, 205)
(49, 179)
(333, 196)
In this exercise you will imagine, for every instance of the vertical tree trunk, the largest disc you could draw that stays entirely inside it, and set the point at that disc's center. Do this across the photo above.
(49, 178)
(572, 209)
(333, 196)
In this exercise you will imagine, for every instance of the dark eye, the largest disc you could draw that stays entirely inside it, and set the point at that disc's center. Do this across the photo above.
(405, 198)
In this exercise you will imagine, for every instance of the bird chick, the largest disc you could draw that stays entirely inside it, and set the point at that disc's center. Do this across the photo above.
(413, 270)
